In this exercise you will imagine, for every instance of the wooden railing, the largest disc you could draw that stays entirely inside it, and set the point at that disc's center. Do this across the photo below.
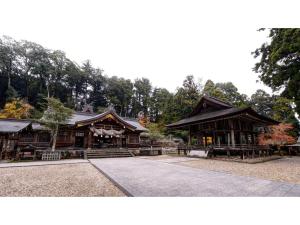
(245, 151)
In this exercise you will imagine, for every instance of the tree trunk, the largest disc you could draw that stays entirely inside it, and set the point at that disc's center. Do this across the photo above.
(54, 138)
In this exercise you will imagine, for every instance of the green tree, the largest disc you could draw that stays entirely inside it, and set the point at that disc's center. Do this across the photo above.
(279, 64)
(160, 100)
(183, 101)
(262, 102)
(8, 68)
(226, 92)
(55, 115)
(141, 97)
(119, 93)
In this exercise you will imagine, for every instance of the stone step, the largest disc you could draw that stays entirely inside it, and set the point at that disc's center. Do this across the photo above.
(111, 153)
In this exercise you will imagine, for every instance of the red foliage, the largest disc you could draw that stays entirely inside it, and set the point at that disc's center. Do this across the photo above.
(278, 135)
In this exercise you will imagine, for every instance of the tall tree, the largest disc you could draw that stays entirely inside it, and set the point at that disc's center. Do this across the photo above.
(141, 97)
(55, 115)
(262, 102)
(279, 64)
(160, 100)
(8, 68)
(119, 93)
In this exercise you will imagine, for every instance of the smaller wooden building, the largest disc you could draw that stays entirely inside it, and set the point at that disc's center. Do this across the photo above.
(218, 124)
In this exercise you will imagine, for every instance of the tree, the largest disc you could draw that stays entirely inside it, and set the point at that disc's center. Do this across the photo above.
(141, 96)
(279, 135)
(262, 102)
(55, 115)
(230, 94)
(160, 100)
(226, 92)
(8, 68)
(187, 96)
(210, 89)
(16, 109)
(98, 86)
(119, 93)
(279, 64)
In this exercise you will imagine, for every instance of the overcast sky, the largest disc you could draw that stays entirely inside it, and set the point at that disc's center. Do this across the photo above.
(160, 40)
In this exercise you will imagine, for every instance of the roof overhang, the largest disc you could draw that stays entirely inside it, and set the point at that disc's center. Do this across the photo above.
(247, 113)
(104, 116)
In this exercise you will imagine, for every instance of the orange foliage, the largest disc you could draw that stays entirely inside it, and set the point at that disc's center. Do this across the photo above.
(16, 109)
(143, 119)
(278, 135)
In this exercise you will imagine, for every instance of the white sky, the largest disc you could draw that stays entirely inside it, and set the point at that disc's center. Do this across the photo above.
(160, 40)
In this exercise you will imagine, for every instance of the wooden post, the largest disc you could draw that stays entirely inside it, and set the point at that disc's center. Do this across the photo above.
(89, 142)
(242, 154)
(190, 137)
(232, 138)
(228, 139)
(214, 137)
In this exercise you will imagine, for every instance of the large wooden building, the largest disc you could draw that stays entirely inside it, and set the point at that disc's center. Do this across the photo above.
(216, 123)
(83, 131)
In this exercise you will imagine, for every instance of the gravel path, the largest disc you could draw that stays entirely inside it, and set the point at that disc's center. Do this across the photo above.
(78, 180)
(41, 163)
(285, 169)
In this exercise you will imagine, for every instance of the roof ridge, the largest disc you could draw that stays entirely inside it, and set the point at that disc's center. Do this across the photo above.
(86, 113)
(217, 99)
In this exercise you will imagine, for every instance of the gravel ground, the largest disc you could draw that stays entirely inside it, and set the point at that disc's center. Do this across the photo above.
(286, 169)
(69, 180)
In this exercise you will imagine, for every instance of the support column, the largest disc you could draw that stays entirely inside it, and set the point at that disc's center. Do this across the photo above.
(190, 137)
(89, 142)
(232, 133)
(214, 138)
(232, 138)
(228, 139)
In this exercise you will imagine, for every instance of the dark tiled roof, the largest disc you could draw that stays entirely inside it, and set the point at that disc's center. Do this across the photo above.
(81, 117)
(220, 114)
(13, 125)
(217, 101)
(205, 116)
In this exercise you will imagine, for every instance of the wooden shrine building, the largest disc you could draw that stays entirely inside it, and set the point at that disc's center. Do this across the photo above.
(84, 131)
(216, 123)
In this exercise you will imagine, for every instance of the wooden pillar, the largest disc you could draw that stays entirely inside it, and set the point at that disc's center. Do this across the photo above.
(232, 138)
(232, 133)
(228, 139)
(35, 137)
(214, 138)
(241, 134)
(190, 137)
(89, 142)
